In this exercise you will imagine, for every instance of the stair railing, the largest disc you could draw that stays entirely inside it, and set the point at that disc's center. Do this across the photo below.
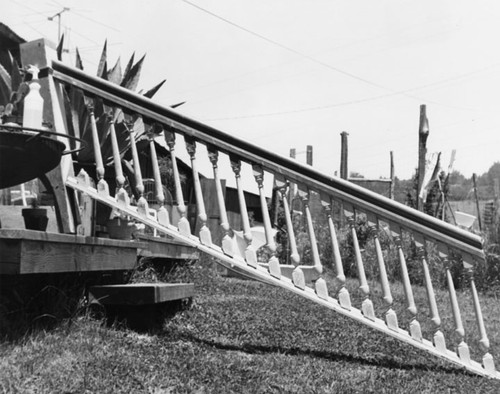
(308, 280)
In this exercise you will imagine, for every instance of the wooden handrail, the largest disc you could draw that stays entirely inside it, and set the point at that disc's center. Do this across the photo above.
(385, 209)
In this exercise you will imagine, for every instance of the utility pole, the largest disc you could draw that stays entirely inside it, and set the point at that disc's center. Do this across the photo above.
(309, 155)
(391, 190)
(343, 155)
(58, 15)
(423, 133)
(477, 203)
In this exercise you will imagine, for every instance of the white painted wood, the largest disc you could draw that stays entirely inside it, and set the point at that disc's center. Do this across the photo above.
(250, 255)
(367, 305)
(142, 203)
(183, 223)
(227, 242)
(342, 292)
(102, 185)
(304, 194)
(281, 184)
(205, 236)
(318, 295)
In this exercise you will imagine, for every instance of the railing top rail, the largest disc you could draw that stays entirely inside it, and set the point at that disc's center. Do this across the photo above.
(384, 207)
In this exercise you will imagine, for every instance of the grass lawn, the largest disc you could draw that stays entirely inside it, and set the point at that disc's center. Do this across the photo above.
(238, 336)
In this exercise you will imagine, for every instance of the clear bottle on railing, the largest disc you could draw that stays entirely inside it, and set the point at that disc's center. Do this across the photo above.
(33, 102)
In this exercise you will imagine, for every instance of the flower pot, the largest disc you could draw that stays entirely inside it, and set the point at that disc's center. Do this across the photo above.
(119, 228)
(35, 218)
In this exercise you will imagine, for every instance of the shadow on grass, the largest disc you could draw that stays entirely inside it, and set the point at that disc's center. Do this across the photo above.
(384, 362)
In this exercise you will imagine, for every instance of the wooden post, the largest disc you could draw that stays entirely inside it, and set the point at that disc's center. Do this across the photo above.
(391, 190)
(423, 133)
(309, 153)
(343, 155)
(477, 203)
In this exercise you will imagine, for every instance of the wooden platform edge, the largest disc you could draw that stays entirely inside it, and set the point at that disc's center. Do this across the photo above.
(141, 293)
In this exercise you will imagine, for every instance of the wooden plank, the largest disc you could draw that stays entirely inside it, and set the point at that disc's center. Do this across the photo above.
(35, 252)
(141, 293)
(166, 248)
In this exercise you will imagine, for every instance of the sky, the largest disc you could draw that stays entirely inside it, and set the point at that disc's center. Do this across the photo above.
(285, 74)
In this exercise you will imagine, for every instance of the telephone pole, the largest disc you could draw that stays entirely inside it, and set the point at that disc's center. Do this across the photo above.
(58, 15)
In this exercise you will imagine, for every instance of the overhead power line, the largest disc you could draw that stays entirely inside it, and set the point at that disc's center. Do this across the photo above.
(367, 99)
(326, 65)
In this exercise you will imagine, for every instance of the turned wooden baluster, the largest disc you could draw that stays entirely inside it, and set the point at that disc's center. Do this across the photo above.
(366, 305)
(319, 284)
(102, 185)
(390, 316)
(250, 254)
(183, 224)
(273, 263)
(438, 337)
(284, 189)
(342, 293)
(121, 195)
(484, 342)
(415, 329)
(298, 277)
(161, 213)
(142, 203)
(462, 347)
(205, 236)
(227, 242)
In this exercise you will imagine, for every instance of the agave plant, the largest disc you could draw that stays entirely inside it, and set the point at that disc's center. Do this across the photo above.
(78, 109)
(12, 90)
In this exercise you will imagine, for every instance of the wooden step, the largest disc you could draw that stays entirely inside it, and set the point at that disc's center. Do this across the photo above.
(141, 293)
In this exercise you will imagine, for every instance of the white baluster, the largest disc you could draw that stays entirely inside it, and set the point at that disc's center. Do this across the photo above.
(367, 305)
(102, 185)
(319, 284)
(342, 293)
(438, 338)
(273, 263)
(462, 348)
(415, 329)
(250, 254)
(227, 242)
(161, 213)
(390, 316)
(205, 236)
(484, 342)
(142, 204)
(121, 195)
(183, 224)
(282, 186)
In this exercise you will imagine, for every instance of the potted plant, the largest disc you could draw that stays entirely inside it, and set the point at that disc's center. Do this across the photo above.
(35, 218)
(120, 227)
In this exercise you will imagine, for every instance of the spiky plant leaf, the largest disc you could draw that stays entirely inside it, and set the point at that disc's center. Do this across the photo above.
(115, 74)
(60, 48)
(15, 76)
(5, 86)
(78, 60)
(150, 93)
(128, 67)
(131, 80)
(101, 68)
(178, 104)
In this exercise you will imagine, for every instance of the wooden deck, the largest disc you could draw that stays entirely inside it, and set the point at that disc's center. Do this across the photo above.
(40, 252)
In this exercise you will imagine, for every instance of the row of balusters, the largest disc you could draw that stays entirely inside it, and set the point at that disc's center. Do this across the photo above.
(283, 186)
